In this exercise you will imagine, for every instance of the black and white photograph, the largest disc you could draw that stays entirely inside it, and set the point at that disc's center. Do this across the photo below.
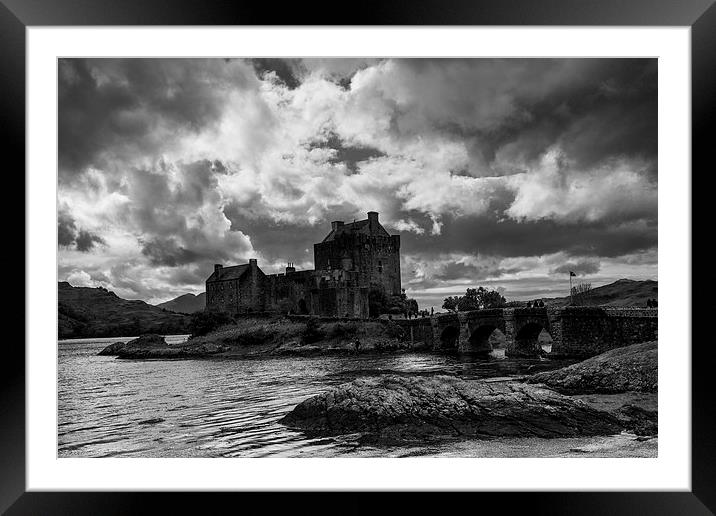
(357, 257)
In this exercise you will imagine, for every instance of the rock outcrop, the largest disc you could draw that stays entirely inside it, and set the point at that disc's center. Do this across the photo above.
(143, 343)
(113, 349)
(630, 368)
(154, 346)
(638, 420)
(402, 408)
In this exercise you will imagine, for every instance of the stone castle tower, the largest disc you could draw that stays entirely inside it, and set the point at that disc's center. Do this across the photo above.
(365, 247)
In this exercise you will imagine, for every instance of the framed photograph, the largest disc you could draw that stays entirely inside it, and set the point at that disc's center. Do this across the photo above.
(414, 250)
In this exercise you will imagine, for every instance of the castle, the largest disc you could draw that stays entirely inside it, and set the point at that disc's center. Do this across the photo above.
(351, 261)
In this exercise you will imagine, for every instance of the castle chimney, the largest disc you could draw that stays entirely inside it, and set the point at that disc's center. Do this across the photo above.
(372, 218)
(217, 266)
(252, 262)
(290, 268)
(336, 224)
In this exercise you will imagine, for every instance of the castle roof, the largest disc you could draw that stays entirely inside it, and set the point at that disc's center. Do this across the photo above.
(229, 273)
(358, 226)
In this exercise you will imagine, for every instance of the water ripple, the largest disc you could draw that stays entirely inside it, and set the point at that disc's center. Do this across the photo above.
(215, 408)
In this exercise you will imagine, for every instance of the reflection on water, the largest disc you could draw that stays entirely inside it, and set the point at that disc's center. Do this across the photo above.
(220, 408)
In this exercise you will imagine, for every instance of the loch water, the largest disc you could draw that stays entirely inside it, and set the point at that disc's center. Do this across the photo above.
(230, 407)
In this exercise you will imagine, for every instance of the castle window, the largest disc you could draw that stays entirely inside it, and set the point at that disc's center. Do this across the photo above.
(380, 266)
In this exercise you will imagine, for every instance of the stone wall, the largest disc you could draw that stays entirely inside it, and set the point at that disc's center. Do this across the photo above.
(292, 288)
(418, 331)
(587, 331)
(339, 293)
(376, 258)
(234, 296)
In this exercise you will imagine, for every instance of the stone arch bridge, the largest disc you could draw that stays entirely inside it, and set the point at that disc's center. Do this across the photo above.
(575, 331)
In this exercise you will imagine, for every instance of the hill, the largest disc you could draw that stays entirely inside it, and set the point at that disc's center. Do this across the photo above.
(623, 292)
(186, 304)
(97, 312)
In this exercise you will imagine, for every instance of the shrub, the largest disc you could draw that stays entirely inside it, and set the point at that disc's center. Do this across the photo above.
(343, 330)
(202, 323)
(312, 332)
(394, 331)
(254, 336)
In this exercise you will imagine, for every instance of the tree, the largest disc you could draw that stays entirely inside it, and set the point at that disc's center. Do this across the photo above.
(475, 299)
(489, 298)
(380, 303)
(469, 301)
(450, 303)
(581, 294)
(413, 307)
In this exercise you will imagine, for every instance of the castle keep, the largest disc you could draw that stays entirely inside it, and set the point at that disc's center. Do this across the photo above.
(351, 261)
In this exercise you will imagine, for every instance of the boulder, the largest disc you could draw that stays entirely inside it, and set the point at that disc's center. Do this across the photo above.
(394, 407)
(629, 368)
(113, 349)
(143, 345)
(638, 420)
(154, 346)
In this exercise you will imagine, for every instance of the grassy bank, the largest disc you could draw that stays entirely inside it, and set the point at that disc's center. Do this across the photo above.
(301, 336)
(278, 335)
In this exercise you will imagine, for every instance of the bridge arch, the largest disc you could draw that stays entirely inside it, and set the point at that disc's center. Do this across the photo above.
(449, 337)
(527, 339)
(485, 338)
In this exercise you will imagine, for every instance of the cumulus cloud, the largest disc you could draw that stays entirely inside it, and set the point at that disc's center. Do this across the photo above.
(169, 165)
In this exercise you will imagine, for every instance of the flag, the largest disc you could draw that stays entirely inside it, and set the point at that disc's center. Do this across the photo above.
(571, 273)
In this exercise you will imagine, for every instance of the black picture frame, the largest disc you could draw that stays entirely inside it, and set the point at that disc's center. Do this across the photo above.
(17, 15)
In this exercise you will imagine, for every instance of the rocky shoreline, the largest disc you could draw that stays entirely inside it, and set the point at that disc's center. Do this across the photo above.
(258, 338)
(604, 395)
(398, 408)
(630, 368)
(393, 408)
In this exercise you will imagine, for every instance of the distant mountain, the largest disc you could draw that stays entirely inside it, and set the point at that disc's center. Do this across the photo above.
(97, 312)
(186, 304)
(623, 292)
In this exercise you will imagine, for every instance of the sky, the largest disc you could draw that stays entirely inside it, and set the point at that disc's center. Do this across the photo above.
(503, 173)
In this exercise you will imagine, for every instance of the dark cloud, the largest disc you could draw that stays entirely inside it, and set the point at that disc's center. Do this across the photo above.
(66, 229)
(459, 270)
(580, 268)
(489, 235)
(283, 68)
(114, 108)
(278, 242)
(595, 109)
(349, 155)
(85, 241)
(166, 251)
(68, 235)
